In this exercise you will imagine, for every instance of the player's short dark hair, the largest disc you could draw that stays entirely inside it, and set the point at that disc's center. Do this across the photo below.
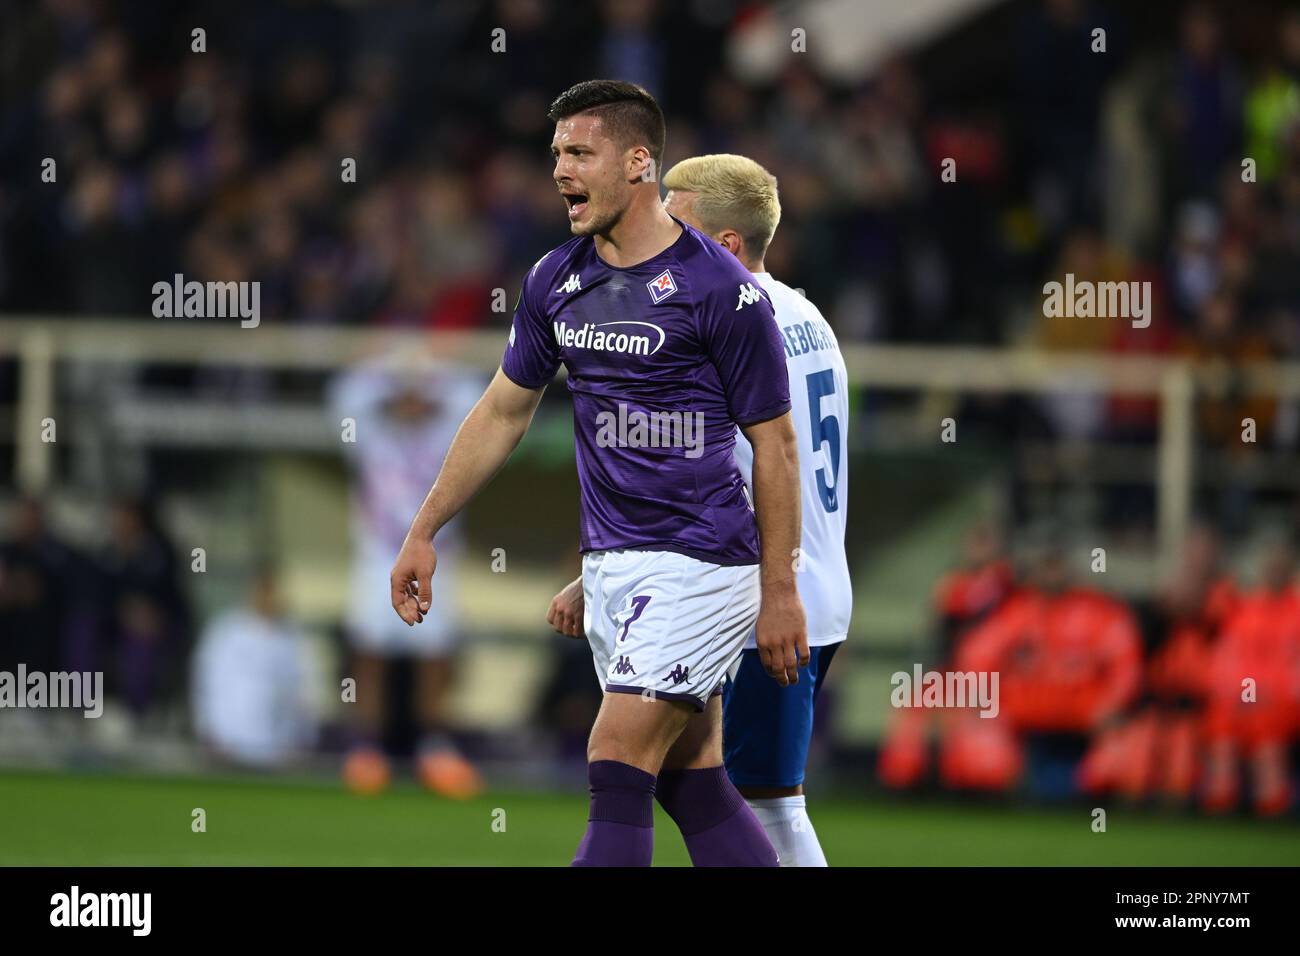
(630, 115)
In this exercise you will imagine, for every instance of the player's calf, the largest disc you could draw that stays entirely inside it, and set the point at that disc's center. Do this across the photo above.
(717, 825)
(628, 743)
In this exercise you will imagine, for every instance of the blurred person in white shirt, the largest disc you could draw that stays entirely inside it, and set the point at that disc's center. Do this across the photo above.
(252, 681)
(397, 424)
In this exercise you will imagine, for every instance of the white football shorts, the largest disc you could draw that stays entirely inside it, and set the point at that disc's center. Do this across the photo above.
(666, 623)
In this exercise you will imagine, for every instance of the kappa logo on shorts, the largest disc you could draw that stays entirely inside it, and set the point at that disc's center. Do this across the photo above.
(624, 666)
(678, 674)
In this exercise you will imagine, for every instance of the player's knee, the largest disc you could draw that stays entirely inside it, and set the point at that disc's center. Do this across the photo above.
(693, 758)
(614, 740)
(601, 749)
(629, 735)
(696, 749)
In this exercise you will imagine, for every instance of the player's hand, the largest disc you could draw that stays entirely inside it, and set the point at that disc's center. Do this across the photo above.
(782, 635)
(411, 580)
(565, 613)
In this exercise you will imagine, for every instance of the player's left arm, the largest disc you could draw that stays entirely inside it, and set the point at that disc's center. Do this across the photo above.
(781, 633)
(565, 612)
(740, 333)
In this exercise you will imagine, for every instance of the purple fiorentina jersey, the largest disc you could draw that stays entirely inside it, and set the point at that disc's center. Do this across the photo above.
(665, 359)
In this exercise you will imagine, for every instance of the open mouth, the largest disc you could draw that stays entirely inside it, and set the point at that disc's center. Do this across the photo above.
(577, 204)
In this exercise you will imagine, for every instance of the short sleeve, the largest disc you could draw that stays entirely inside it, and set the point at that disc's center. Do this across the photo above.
(532, 356)
(744, 344)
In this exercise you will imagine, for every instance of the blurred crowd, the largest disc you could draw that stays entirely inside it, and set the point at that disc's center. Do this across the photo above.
(228, 164)
(1190, 699)
(118, 608)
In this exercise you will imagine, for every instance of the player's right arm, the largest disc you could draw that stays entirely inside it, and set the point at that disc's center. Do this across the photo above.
(490, 432)
(485, 440)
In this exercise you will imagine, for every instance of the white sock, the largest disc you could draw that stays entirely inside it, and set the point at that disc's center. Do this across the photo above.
(786, 821)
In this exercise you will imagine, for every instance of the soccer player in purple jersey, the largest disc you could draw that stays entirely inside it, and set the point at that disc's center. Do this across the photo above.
(669, 347)
(766, 728)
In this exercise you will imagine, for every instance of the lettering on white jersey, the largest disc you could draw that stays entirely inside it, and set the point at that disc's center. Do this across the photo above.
(819, 409)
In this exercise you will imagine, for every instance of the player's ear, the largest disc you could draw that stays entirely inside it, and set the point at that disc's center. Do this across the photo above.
(641, 166)
(730, 239)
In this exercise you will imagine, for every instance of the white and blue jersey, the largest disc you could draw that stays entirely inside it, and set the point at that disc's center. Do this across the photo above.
(767, 728)
(819, 405)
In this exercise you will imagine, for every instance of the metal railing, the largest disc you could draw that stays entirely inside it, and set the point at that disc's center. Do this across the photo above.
(40, 343)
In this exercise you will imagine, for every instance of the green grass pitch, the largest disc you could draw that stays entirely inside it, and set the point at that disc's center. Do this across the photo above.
(96, 820)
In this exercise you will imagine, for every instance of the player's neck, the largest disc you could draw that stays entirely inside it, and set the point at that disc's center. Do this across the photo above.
(643, 232)
(755, 267)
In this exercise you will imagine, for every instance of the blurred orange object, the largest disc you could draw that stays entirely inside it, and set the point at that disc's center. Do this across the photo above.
(980, 753)
(448, 774)
(905, 751)
(366, 771)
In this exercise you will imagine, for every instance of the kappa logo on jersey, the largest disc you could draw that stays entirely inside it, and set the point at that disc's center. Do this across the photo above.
(572, 284)
(624, 666)
(661, 286)
(748, 295)
(678, 674)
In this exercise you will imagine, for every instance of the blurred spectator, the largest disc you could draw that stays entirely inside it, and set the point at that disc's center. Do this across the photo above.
(974, 754)
(252, 682)
(1159, 750)
(1253, 692)
(1070, 662)
(147, 631)
(45, 597)
(1272, 105)
(1221, 341)
(1062, 81)
(401, 426)
(986, 578)
(1205, 113)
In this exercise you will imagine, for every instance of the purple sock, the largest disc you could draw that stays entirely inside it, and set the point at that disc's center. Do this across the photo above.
(716, 822)
(620, 826)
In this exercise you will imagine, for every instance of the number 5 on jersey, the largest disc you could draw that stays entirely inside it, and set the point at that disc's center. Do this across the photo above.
(824, 429)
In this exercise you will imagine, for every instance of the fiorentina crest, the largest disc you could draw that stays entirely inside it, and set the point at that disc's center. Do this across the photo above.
(661, 286)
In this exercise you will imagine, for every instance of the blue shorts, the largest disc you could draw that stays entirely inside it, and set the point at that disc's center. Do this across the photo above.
(766, 728)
